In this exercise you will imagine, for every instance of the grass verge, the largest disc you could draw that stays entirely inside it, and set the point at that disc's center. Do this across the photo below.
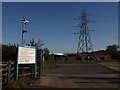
(23, 82)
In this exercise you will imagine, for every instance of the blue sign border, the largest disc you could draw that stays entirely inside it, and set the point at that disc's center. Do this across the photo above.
(35, 66)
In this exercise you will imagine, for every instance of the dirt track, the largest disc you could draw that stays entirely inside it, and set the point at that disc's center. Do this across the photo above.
(79, 76)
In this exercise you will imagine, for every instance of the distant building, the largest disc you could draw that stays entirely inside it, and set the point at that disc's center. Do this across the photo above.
(57, 56)
(71, 56)
(102, 55)
(99, 55)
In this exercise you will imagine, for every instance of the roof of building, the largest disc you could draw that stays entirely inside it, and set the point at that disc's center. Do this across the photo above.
(57, 53)
(102, 52)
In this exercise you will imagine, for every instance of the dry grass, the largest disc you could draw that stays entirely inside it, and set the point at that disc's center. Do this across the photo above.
(23, 82)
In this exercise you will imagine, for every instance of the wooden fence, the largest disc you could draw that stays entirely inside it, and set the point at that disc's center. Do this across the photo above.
(9, 71)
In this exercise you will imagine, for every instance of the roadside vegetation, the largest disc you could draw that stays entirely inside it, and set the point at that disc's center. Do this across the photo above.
(23, 82)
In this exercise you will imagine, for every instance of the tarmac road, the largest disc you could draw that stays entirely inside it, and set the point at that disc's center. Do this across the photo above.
(74, 69)
(93, 75)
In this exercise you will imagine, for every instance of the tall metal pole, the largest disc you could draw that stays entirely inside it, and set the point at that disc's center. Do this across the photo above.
(41, 58)
(22, 34)
(41, 63)
(24, 22)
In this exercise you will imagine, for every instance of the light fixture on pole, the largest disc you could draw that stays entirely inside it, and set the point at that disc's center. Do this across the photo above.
(24, 22)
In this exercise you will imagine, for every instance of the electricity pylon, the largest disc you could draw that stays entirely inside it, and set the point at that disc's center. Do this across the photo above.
(85, 49)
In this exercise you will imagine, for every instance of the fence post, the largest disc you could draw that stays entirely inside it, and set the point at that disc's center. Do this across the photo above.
(41, 63)
(6, 72)
(9, 71)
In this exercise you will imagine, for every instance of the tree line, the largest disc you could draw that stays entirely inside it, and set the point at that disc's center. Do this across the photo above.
(114, 51)
(9, 52)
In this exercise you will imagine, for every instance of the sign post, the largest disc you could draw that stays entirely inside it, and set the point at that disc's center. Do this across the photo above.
(26, 55)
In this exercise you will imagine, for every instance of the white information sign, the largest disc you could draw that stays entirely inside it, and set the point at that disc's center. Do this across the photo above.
(26, 55)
